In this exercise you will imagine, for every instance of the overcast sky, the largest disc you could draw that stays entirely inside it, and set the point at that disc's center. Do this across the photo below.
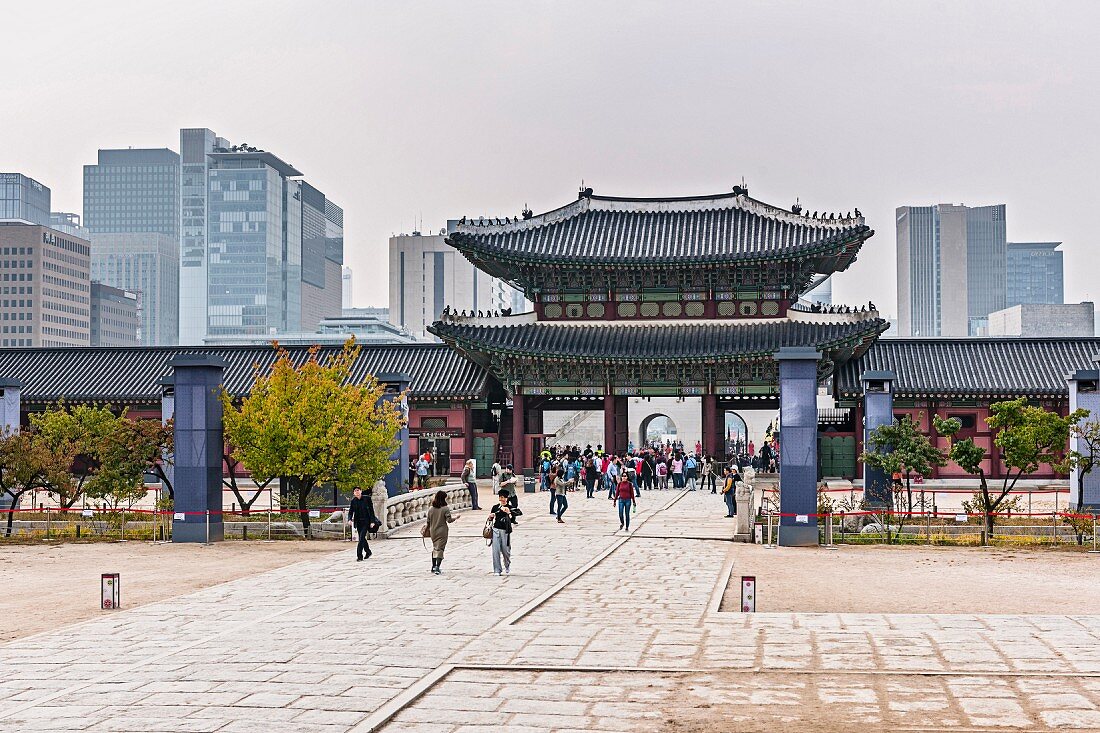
(405, 110)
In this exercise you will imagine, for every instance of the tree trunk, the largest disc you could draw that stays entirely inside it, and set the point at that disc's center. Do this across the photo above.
(11, 510)
(908, 493)
(304, 489)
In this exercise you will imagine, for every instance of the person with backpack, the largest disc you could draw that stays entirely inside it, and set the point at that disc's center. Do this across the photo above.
(544, 479)
(470, 480)
(439, 521)
(691, 466)
(501, 518)
(645, 472)
(625, 499)
(662, 475)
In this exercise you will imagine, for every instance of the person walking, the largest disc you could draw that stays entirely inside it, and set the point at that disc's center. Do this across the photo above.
(710, 474)
(439, 521)
(625, 497)
(561, 486)
(590, 475)
(691, 471)
(503, 519)
(470, 480)
(361, 515)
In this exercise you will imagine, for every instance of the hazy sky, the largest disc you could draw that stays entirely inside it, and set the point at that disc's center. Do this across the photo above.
(403, 110)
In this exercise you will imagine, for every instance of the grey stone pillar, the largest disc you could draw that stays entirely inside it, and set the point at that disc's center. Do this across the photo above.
(396, 384)
(197, 380)
(878, 410)
(1084, 392)
(798, 446)
(10, 407)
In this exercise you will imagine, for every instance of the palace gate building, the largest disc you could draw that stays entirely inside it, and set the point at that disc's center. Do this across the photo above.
(694, 296)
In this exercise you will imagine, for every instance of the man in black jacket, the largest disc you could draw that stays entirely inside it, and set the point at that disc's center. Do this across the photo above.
(361, 513)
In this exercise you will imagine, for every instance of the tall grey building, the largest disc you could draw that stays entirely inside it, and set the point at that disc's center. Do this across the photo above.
(64, 221)
(261, 249)
(427, 274)
(147, 264)
(132, 209)
(24, 199)
(114, 316)
(951, 268)
(133, 190)
(1034, 273)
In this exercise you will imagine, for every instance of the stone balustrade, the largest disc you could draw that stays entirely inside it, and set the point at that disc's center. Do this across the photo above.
(404, 509)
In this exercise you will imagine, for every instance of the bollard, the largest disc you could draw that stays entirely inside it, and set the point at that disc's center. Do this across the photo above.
(769, 546)
(110, 593)
(123, 525)
(48, 523)
(829, 531)
(208, 526)
(1094, 551)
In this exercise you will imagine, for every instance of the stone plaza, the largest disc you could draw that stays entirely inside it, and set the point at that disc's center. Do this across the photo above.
(594, 630)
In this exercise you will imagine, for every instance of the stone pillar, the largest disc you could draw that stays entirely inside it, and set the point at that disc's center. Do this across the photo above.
(519, 441)
(197, 380)
(712, 441)
(798, 446)
(10, 407)
(1084, 392)
(878, 410)
(745, 511)
(396, 386)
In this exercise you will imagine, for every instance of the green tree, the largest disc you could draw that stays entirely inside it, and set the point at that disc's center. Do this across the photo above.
(901, 447)
(1027, 438)
(310, 425)
(75, 434)
(26, 464)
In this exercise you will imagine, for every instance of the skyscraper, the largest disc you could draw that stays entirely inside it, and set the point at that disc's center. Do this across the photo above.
(114, 316)
(132, 209)
(24, 199)
(427, 274)
(147, 264)
(1034, 273)
(951, 268)
(261, 249)
(133, 190)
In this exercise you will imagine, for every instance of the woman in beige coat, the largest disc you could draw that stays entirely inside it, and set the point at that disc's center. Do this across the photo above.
(439, 519)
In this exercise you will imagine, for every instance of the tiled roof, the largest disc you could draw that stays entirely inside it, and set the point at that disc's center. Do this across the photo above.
(973, 366)
(601, 229)
(130, 374)
(661, 341)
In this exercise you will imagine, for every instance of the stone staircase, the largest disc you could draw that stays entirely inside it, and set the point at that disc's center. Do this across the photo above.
(582, 428)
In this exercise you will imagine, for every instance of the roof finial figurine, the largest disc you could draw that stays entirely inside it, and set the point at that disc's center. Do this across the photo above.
(849, 215)
(797, 208)
(832, 217)
(871, 305)
(506, 311)
(527, 213)
(858, 215)
(814, 215)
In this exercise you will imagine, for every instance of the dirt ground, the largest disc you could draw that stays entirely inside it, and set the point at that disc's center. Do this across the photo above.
(881, 579)
(49, 585)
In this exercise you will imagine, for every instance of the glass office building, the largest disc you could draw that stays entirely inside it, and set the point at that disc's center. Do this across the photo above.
(24, 199)
(1035, 273)
(133, 190)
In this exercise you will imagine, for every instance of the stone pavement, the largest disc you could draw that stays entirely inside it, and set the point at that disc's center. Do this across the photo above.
(593, 631)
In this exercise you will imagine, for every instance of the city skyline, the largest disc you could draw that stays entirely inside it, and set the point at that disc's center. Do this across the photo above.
(721, 100)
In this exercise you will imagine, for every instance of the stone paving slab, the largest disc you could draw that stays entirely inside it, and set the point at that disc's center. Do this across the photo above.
(333, 645)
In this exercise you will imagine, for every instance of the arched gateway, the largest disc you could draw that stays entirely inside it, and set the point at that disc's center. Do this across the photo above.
(693, 296)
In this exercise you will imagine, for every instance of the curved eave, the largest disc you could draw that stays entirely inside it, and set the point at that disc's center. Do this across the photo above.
(480, 350)
(841, 247)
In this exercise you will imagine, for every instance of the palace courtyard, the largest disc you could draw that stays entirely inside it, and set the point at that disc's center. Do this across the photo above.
(593, 631)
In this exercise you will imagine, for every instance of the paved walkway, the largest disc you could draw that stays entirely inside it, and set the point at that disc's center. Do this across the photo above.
(593, 631)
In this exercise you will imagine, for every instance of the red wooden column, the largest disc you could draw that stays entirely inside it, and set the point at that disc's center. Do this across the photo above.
(609, 423)
(519, 439)
(712, 444)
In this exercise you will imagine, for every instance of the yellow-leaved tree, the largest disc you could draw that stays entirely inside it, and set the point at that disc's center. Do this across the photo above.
(309, 425)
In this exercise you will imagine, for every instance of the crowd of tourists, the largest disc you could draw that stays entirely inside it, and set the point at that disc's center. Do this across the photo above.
(561, 471)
